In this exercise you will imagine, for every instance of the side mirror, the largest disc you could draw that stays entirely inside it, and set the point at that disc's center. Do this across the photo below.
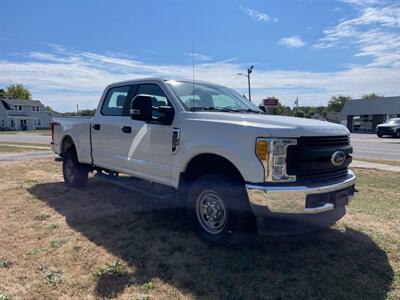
(141, 108)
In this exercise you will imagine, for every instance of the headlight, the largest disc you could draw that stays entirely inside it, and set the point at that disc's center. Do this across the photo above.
(272, 154)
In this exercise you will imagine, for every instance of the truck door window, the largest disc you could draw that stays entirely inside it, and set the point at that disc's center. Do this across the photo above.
(115, 101)
(159, 98)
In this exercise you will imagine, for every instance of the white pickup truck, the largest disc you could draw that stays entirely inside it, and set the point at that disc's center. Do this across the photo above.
(234, 168)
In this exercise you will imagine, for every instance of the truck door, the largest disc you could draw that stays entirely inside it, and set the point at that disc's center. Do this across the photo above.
(112, 129)
(150, 153)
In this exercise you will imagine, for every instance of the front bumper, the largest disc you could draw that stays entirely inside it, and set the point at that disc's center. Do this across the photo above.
(385, 131)
(317, 205)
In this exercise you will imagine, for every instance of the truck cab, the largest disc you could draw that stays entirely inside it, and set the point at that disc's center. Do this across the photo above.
(234, 168)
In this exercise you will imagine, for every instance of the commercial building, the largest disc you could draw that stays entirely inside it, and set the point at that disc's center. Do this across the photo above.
(17, 114)
(363, 115)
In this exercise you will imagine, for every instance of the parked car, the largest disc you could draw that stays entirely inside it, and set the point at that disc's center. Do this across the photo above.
(391, 127)
(234, 168)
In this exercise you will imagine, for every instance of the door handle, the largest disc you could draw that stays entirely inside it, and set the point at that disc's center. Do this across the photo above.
(126, 129)
(96, 126)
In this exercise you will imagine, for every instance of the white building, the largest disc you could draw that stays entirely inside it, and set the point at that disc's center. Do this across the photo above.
(16, 114)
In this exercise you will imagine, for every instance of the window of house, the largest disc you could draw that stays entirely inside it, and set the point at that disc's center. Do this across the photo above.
(39, 123)
(12, 123)
(15, 107)
(37, 108)
(2, 123)
(20, 107)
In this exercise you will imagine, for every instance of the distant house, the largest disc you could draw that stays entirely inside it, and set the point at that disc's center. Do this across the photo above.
(363, 115)
(16, 114)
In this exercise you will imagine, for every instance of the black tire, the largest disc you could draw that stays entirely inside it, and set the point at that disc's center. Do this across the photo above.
(397, 133)
(379, 135)
(234, 218)
(75, 174)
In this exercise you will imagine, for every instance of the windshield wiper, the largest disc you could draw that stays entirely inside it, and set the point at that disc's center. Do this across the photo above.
(212, 108)
(249, 110)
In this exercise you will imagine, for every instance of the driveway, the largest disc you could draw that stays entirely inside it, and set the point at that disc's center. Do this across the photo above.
(370, 146)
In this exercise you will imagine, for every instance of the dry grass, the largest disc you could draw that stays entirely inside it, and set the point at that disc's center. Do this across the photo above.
(103, 242)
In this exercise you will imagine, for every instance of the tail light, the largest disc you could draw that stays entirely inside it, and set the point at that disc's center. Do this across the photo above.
(53, 124)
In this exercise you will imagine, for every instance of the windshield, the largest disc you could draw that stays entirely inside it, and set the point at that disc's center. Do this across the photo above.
(394, 121)
(202, 96)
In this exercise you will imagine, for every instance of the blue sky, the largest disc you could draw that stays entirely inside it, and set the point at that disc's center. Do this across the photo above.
(67, 51)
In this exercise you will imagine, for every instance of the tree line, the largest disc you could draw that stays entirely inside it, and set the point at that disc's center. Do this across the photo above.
(335, 104)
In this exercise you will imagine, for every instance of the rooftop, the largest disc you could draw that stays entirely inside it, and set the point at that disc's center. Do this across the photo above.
(377, 106)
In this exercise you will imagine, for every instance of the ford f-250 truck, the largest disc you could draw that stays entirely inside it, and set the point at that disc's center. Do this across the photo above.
(233, 167)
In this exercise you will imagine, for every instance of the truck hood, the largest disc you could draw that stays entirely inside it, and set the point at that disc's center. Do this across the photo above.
(276, 126)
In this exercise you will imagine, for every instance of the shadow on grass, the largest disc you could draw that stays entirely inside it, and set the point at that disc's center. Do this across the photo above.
(159, 244)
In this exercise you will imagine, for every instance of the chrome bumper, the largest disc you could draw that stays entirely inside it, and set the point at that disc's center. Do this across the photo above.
(266, 199)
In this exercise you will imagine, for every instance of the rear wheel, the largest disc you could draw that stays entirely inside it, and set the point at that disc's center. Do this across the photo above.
(379, 135)
(75, 174)
(398, 133)
(218, 207)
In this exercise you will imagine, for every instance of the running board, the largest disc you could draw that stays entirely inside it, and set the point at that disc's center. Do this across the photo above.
(144, 187)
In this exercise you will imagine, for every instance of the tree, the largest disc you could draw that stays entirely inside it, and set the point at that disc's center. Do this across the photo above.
(2, 93)
(18, 91)
(371, 96)
(337, 102)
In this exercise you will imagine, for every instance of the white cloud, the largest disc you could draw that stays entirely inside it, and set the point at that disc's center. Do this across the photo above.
(62, 78)
(198, 56)
(292, 42)
(258, 16)
(374, 32)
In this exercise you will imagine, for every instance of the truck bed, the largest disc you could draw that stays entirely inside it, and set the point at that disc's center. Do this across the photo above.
(80, 129)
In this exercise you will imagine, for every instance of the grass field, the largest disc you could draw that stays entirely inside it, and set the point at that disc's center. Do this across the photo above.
(104, 242)
(12, 149)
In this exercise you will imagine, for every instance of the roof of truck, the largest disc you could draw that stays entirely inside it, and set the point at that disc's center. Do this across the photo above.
(160, 79)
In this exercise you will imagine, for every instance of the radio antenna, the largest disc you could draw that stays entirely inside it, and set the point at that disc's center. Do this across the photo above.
(192, 73)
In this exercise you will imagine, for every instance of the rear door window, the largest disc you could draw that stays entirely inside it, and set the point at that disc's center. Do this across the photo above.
(117, 101)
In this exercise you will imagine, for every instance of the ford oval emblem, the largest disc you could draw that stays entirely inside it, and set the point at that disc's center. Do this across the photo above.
(338, 158)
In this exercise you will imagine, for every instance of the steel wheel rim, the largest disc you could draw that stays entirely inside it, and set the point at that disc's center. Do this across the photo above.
(69, 170)
(211, 212)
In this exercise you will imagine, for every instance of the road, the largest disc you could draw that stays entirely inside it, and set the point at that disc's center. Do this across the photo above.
(25, 138)
(365, 145)
(370, 146)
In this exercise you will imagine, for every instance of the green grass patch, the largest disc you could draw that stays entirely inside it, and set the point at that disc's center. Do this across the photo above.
(42, 217)
(5, 264)
(53, 226)
(56, 244)
(148, 285)
(113, 270)
(4, 297)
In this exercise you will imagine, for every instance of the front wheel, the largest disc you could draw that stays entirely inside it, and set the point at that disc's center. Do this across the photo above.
(379, 135)
(218, 207)
(397, 133)
(75, 174)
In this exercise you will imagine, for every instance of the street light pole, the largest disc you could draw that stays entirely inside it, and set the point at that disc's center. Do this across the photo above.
(249, 71)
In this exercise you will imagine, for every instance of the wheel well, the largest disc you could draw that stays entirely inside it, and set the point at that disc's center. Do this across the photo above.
(67, 144)
(205, 164)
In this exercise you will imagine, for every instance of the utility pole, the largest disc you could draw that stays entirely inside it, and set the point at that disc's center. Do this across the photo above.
(249, 71)
(77, 108)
